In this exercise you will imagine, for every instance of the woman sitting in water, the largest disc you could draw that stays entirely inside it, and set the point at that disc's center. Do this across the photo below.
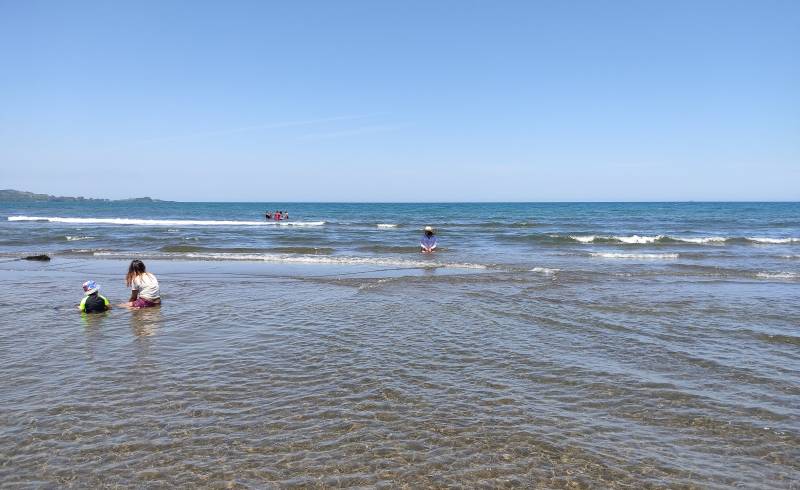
(428, 242)
(144, 286)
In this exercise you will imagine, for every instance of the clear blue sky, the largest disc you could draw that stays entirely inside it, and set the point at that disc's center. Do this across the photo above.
(402, 101)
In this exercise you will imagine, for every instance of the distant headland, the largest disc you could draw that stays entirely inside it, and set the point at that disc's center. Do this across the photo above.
(10, 195)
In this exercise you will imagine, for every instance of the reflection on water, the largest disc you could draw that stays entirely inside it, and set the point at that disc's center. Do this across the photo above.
(93, 320)
(93, 330)
(145, 322)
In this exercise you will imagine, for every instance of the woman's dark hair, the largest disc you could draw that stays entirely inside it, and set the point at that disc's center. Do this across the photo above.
(136, 268)
(428, 233)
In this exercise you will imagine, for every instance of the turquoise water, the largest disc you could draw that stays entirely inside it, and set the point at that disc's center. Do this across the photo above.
(545, 345)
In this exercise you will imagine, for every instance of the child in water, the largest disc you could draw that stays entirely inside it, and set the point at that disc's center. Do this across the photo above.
(92, 301)
(144, 286)
(428, 242)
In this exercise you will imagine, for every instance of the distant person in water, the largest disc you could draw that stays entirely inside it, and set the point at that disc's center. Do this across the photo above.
(428, 242)
(144, 286)
(277, 215)
(92, 302)
(268, 216)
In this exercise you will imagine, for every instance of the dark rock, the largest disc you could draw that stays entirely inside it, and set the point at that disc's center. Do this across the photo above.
(42, 257)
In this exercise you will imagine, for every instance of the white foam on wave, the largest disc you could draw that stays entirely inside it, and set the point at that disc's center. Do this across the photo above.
(638, 239)
(78, 238)
(702, 240)
(633, 239)
(645, 239)
(295, 259)
(387, 225)
(162, 222)
(774, 240)
(545, 270)
(778, 275)
(583, 239)
(85, 250)
(618, 255)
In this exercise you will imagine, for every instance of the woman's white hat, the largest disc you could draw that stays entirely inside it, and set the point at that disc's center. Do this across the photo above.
(428, 228)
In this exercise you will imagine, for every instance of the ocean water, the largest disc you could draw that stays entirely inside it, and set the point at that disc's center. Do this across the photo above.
(552, 345)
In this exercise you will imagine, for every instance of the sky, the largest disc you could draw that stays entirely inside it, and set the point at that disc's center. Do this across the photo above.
(418, 101)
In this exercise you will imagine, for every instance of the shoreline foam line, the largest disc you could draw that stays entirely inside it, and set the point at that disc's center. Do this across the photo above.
(293, 259)
(161, 222)
(618, 255)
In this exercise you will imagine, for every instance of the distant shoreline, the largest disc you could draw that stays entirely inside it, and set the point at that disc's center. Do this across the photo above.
(11, 195)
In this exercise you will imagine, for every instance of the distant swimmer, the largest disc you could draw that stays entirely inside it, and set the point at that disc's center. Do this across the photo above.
(428, 242)
(276, 216)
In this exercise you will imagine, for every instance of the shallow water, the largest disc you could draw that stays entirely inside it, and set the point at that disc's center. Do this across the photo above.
(546, 367)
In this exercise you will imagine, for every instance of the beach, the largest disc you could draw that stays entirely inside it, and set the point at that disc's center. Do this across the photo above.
(545, 345)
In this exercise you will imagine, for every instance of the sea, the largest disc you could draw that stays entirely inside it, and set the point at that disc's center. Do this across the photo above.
(543, 345)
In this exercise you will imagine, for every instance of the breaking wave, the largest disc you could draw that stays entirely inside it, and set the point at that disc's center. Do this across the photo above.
(645, 239)
(161, 222)
(778, 275)
(701, 240)
(773, 240)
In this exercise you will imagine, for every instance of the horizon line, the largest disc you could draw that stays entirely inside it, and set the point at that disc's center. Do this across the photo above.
(595, 201)
(756, 201)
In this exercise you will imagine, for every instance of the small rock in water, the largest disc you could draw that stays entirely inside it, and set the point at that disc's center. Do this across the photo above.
(42, 257)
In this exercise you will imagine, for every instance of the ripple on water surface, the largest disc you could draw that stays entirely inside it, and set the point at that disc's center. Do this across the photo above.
(430, 380)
